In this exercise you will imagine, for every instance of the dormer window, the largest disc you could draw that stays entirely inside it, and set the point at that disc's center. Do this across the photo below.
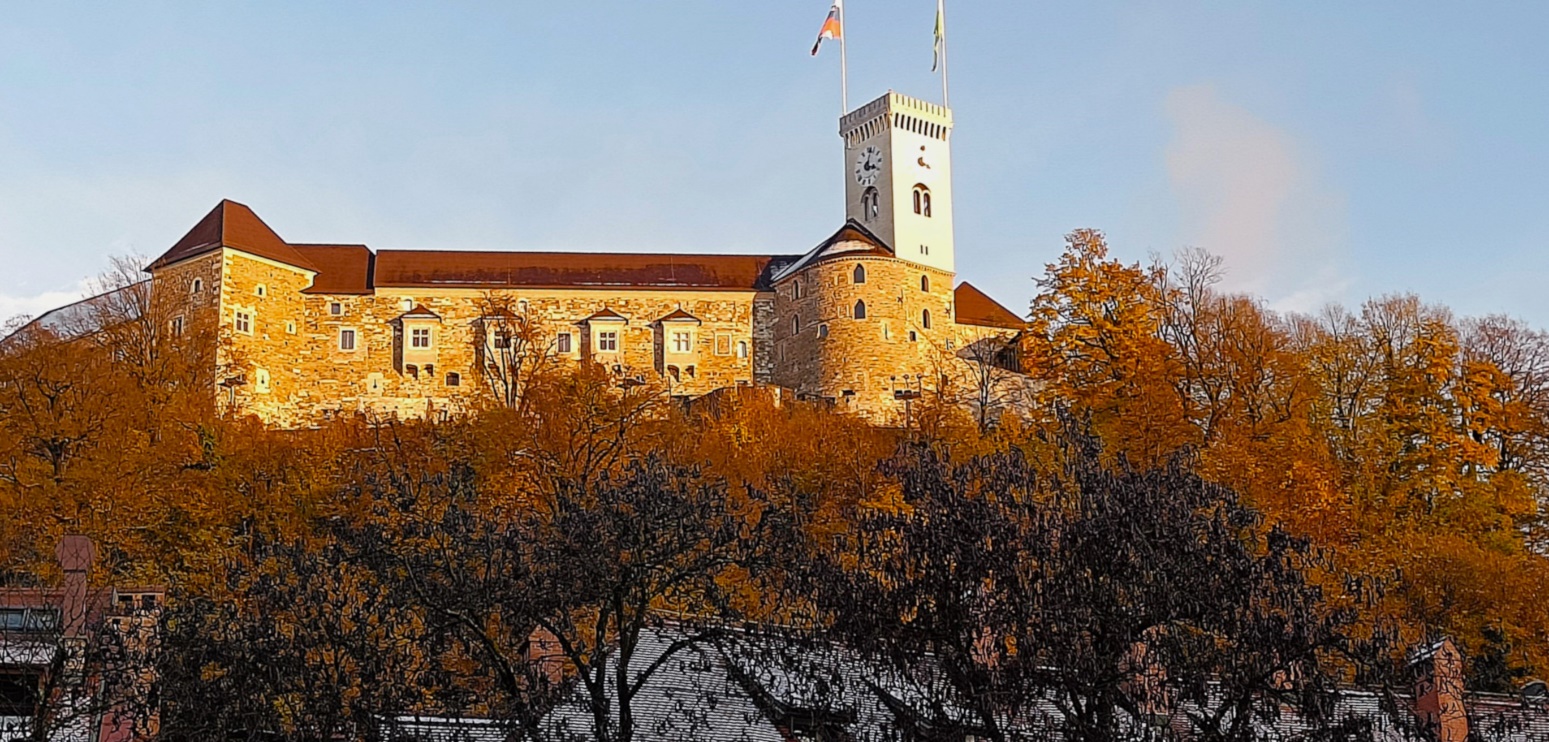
(860, 310)
(860, 274)
(922, 200)
(682, 341)
(419, 338)
(608, 341)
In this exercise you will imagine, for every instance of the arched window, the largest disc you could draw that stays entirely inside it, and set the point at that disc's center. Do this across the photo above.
(795, 325)
(922, 200)
(925, 318)
(925, 283)
(860, 273)
(742, 349)
(860, 310)
(796, 288)
(196, 286)
(870, 204)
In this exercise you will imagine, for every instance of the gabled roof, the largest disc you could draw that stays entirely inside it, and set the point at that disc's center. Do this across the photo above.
(974, 307)
(606, 315)
(494, 270)
(851, 240)
(420, 311)
(232, 225)
(678, 315)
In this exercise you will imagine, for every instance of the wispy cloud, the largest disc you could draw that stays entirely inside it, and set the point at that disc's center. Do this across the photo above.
(1249, 194)
(32, 306)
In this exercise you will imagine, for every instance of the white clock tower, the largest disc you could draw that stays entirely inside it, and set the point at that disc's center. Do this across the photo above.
(898, 167)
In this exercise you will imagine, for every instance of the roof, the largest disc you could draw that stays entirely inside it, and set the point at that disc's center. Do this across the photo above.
(974, 307)
(232, 225)
(341, 269)
(85, 317)
(851, 240)
(606, 315)
(420, 311)
(678, 315)
(496, 270)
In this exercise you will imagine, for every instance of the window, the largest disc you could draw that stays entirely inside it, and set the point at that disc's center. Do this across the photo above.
(795, 325)
(562, 343)
(925, 283)
(406, 304)
(244, 322)
(608, 341)
(796, 289)
(822, 332)
(346, 339)
(261, 381)
(419, 337)
(742, 349)
(870, 204)
(922, 200)
(197, 286)
(454, 379)
(682, 342)
(412, 370)
(722, 344)
(502, 339)
(29, 619)
(290, 328)
(261, 290)
(925, 318)
(335, 308)
(860, 274)
(913, 336)
(176, 326)
(860, 310)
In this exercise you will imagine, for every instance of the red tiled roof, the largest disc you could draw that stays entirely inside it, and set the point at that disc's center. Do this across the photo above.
(341, 269)
(974, 307)
(232, 225)
(495, 270)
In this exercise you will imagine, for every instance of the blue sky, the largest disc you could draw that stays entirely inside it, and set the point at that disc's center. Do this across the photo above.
(1331, 151)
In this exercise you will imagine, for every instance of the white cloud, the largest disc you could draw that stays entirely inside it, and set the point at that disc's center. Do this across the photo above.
(32, 306)
(1248, 194)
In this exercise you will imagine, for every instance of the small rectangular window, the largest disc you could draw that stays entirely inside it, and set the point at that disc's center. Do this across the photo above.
(681, 341)
(562, 343)
(419, 337)
(608, 342)
(244, 322)
(176, 326)
(335, 308)
(346, 339)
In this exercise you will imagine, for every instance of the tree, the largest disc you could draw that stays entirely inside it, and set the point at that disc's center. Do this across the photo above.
(1131, 600)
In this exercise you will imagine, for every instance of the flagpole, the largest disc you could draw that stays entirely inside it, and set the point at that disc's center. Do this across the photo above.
(946, 98)
(844, 64)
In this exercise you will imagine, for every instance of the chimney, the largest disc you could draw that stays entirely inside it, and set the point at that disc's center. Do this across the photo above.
(1438, 676)
(75, 555)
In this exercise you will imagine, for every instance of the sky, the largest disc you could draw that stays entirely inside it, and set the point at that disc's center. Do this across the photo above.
(1329, 151)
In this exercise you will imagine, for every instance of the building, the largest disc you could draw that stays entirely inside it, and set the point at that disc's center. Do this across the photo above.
(306, 331)
(75, 663)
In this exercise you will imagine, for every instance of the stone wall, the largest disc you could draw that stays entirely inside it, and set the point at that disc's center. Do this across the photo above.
(294, 343)
(859, 362)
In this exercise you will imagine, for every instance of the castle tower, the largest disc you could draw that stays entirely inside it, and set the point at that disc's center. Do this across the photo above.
(866, 318)
(898, 184)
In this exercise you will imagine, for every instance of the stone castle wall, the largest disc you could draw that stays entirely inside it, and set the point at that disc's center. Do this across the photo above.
(858, 362)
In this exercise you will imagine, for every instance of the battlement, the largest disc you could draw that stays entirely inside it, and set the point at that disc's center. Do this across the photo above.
(900, 111)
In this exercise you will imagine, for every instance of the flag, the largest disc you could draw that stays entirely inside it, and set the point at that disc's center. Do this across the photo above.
(832, 27)
(941, 33)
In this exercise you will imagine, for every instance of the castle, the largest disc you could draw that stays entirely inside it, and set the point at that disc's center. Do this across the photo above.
(861, 320)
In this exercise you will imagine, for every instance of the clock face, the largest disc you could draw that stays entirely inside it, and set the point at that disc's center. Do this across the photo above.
(868, 166)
